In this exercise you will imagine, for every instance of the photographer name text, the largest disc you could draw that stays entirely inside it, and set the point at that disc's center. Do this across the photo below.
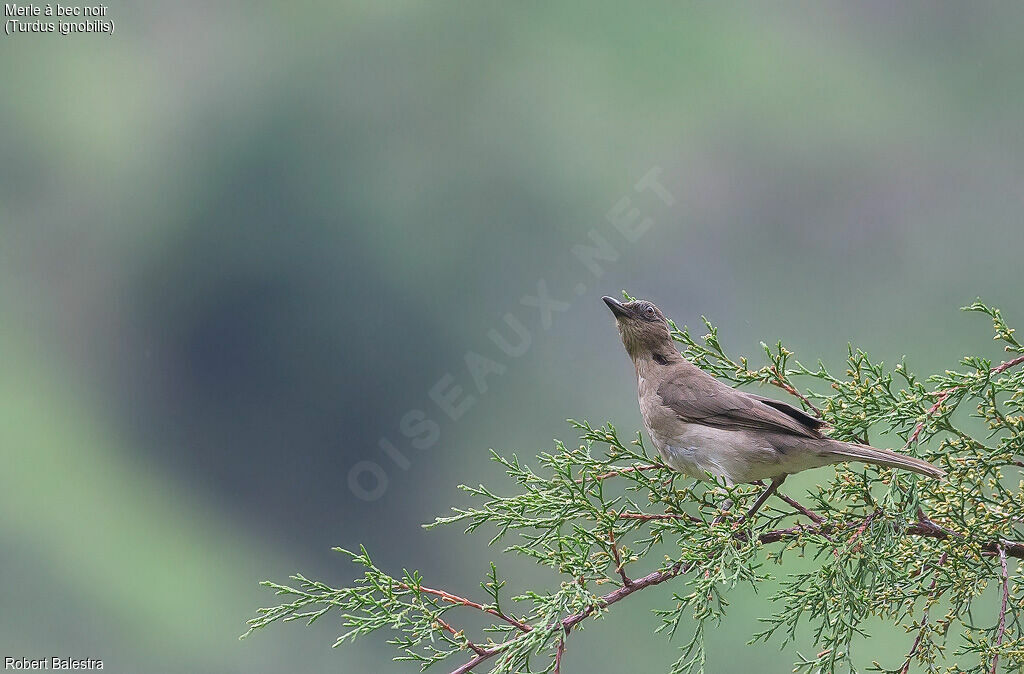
(55, 663)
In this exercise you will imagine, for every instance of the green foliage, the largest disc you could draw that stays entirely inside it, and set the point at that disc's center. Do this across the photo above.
(611, 520)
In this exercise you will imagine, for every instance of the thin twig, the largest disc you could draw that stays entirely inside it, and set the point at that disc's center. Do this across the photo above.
(927, 415)
(790, 389)
(860, 529)
(659, 516)
(618, 561)
(1002, 607)
(455, 633)
(462, 601)
(932, 596)
(810, 514)
(559, 652)
(623, 471)
(945, 393)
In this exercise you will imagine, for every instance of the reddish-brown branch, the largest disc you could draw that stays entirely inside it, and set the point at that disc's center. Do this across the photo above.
(559, 652)
(923, 527)
(446, 626)
(1003, 367)
(1002, 607)
(777, 535)
(810, 514)
(457, 634)
(462, 601)
(651, 579)
(926, 527)
(468, 667)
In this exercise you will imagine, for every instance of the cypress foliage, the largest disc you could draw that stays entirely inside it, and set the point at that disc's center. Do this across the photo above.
(610, 520)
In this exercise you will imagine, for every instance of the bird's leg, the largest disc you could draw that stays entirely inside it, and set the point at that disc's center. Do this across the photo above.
(776, 481)
(724, 507)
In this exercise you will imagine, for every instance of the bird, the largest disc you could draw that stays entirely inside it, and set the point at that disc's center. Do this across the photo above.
(703, 426)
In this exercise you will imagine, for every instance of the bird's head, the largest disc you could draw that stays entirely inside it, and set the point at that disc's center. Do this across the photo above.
(643, 328)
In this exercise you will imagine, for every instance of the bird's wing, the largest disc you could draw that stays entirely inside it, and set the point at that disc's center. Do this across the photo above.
(705, 400)
(787, 409)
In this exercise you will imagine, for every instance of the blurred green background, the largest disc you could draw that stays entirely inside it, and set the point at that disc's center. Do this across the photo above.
(239, 241)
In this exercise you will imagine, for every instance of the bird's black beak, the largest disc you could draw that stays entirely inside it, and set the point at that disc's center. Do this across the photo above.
(616, 307)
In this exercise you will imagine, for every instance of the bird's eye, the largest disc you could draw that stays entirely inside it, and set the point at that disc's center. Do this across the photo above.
(649, 310)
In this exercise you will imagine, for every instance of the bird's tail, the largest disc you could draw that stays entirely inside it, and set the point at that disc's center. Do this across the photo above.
(884, 457)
